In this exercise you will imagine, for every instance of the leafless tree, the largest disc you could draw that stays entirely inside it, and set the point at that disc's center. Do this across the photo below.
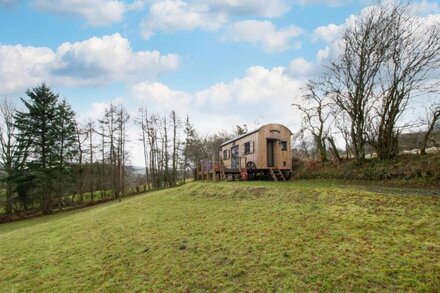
(81, 137)
(432, 120)
(316, 111)
(190, 135)
(385, 58)
(413, 53)
(351, 79)
(175, 123)
(90, 130)
(143, 123)
(12, 155)
(164, 150)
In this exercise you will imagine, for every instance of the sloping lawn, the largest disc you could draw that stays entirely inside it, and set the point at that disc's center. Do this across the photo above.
(232, 236)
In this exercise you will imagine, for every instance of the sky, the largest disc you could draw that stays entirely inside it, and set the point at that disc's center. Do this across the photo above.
(222, 62)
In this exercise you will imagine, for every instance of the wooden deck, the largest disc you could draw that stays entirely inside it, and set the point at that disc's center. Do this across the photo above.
(215, 171)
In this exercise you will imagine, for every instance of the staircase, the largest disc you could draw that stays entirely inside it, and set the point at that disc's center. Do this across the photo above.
(276, 174)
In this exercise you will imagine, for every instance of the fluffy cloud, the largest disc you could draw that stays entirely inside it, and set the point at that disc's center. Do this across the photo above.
(110, 58)
(260, 96)
(334, 3)
(261, 8)
(95, 12)
(263, 93)
(328, 33)
(173, 15)
(300, 68)
(21, 67)
(160, 97)
(91, 62)
(263, 33)
(425, 7)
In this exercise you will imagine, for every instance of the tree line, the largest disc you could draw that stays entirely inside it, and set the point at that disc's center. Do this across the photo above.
(385, 59)
(50, 160)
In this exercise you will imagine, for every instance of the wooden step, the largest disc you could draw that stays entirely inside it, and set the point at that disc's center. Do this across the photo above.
(276, 174)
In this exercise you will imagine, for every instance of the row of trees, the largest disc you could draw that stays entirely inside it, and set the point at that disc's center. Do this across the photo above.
(50, 160)
(385, 58)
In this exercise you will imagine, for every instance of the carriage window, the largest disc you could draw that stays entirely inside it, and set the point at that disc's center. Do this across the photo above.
(248, 148)
(283, 145)
(225, 155)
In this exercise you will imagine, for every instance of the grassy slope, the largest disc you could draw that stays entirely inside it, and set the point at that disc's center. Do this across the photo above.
(307, 235)
(405, 170)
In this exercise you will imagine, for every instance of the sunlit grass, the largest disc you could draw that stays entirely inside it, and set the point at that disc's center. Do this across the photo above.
(255, 236)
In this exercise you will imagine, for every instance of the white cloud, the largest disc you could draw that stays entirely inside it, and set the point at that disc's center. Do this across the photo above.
(110, 58)
(136, 5)
(263, 93)
(323, 54)
(262, 8)
(160, 97)
(328, 33)
(95, 12)
(334, 3)
(206, 15)
(97, 110)
(22, 67)
(95, 61)
(263, 33)
(425, 7)
(301, 69)
(174, 15)
(260, 96)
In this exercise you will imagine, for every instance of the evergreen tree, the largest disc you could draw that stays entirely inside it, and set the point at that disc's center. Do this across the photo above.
(65, 140)
(48, 128)
(65, 147)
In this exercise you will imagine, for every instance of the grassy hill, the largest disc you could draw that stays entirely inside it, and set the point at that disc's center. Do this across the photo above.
(255, 236)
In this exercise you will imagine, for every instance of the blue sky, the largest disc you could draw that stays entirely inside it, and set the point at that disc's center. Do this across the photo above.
(223, 62)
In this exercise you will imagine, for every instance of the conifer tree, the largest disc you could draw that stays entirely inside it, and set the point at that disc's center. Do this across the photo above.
(47, 127)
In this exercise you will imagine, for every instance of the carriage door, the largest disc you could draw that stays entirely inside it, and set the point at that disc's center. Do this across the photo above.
(271, 153)
(235, 163)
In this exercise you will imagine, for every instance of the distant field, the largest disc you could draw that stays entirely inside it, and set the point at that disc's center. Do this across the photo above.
(233, 236)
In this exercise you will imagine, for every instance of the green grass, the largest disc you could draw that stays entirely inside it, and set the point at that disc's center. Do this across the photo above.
(236, 236)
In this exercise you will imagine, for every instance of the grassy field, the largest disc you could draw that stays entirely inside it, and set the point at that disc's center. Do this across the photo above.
(233, 236)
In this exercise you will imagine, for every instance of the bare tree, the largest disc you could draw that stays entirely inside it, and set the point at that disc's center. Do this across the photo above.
(81, 137)
(102, 175)
(333, 148)
(386, 58)
(350, 79)
(90, 130)
(316, 111)
(432, 119)
(142, 121)
(109, 132)
(190, 134)
(175, 123)
(12, 154)
(413, 53)
(122, 120)
(152, 136)
(165, 152)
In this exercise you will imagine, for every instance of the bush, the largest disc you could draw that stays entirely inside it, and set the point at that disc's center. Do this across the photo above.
(405, 167)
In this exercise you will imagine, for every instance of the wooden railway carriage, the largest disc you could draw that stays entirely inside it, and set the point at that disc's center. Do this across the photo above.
(265, 151)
